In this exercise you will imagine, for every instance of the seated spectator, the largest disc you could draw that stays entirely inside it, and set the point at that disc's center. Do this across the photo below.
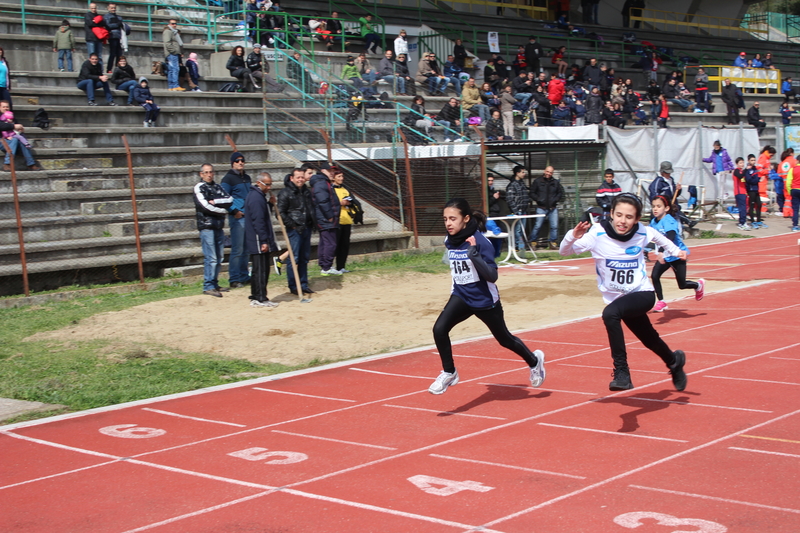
(558, 61)
(701, 91)
(334, 26)
(741, 60)
(371, 39)
(350, 72)
(788, 91)
(542, 106)
(367, 71)
(260, 70)
(453, 72)
(141, 93)
(786, 112)
(238, 68)
(756, 62)
(754, 118)
(768, 62)
(388, 70)
(124, 78)
(451, 112)
(302, 76)
(16, 142)
(613, 115)
(489, 97)
(522, 88)
(194, 73)
(421, 118)
(319, 26)
(555, 91)
(494, 127)
(426, 75)
(471, 101)
(91, 77)
(562, 115)
(670, 91)
(402, 72)
(653, 92)
(440, 79)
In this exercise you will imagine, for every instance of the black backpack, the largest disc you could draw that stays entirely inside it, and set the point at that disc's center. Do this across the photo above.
(355, 210)
(40, 119)
(231, 87)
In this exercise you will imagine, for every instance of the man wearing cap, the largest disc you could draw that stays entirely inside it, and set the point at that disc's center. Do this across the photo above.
(664, 184)
(326, 208)
(260, 238)
(260, 69)
(741, 60)
(236, 183)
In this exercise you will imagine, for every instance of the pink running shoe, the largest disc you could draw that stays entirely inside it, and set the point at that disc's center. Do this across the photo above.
(700, 291)
(660, 306)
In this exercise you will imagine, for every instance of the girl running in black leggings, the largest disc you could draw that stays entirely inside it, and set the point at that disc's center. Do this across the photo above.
(665, 224)
(471, 259)
(617, 246)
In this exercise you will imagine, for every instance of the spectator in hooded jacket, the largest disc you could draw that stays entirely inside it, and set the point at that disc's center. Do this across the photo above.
(259, 237)
(64, 45)
(562, 115)
(193, 70)
(210, 204)
(144, 98)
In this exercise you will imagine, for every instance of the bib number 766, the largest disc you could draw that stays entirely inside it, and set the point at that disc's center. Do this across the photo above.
(622, 277)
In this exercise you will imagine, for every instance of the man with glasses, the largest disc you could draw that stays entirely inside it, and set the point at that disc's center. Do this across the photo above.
(173, 47)
(236, 183)
(211, 204)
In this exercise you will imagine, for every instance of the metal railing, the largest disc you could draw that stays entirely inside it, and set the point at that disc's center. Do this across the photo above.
(697, 24)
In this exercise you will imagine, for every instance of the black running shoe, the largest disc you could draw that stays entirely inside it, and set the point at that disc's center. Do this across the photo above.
(621, 381)
(678, 375)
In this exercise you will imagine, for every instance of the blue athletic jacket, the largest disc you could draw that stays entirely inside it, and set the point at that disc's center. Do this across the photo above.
(469, 266)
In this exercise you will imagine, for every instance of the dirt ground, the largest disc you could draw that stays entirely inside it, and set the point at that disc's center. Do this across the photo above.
(352, 315)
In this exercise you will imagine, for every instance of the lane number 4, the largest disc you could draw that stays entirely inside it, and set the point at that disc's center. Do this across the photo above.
(446, 487)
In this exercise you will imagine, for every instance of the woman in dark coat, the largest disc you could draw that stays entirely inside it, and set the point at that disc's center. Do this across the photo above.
(237, 67)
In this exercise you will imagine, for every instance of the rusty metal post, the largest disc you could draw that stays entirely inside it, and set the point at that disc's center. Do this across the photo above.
(20, 234)
(230, 141)
(484, 183)
(135, 210)
(410, 185)
(328, 146)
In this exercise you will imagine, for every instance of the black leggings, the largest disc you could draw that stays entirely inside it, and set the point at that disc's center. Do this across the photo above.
(632, 309)
(455, 312)
(754, 206)
(679, 266)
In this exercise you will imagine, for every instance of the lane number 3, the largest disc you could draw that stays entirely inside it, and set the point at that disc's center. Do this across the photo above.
(634, 520)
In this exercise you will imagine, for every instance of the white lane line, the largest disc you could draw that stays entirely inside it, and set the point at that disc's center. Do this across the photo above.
(764, 452)
(169, 413)
(57, 475)
(198, 512)
(438, 411)
(716, 499)
(388, 511)
(641, 468)
(786, 358)
(57, 445)
(306, 395)
(539, 389)
(695, 404)
(389, 374)
(714, 353)
(508, 359)
(560, 343)
(610, 432)
(755, 380)
(608, 368)
(333, 440)
(506, 466)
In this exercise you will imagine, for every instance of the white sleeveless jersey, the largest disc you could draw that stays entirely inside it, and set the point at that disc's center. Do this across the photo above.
(620, 266)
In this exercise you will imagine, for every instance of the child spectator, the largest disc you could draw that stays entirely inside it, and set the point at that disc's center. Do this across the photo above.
(661, 111)
(194, 72)
(562, 115)
(786, 112)
(8, 116)
(64, 44)
(740, 193)
(777, 186)
(752, 179)
(580, 113)
(144, 97)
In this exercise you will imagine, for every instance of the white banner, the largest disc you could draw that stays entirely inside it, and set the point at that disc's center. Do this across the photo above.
(572, 133)
(758, 78)
(494, 42)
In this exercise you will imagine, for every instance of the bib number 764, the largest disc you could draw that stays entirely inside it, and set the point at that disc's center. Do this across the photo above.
(622, 277)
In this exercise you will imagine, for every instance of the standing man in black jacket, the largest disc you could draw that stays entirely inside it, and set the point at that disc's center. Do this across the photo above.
(297, 213)
(115, 27)
(93, 44)
(547, 192)
(533, 51)
(259, 238)
(211, 205)
(731, 100)
(326, 211)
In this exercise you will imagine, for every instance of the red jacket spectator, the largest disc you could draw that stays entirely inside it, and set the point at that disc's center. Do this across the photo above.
(555, 91)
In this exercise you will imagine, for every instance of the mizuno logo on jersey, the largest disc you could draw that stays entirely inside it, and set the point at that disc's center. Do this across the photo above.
(622, 263)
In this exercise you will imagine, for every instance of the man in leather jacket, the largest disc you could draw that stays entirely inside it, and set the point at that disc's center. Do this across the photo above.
(297, 213)
(211, 204)
(547, 192)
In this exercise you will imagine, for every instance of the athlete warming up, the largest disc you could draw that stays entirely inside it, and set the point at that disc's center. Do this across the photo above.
(617, 246)
(664, 223)
(471, 259)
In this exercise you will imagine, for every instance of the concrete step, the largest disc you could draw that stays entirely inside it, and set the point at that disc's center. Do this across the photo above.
(124, 229)
(123, 206)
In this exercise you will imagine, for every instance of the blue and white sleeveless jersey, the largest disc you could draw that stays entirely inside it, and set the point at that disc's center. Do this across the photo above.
(620, 266)
(477, 293)
(664, 226)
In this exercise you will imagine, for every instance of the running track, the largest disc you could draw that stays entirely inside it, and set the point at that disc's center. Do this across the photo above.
(363, 447)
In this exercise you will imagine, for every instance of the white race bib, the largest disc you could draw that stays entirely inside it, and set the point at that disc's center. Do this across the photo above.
(621, 275)
(461, 267)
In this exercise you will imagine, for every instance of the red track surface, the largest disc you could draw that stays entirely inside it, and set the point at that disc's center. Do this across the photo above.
(357, 447)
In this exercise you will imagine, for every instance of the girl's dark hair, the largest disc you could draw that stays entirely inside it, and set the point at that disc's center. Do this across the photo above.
(739, 159)
(420, 98)
(666, 201)
(769, 149)
(463, 207)
(233, 51)
(786, 153)
(628, 198)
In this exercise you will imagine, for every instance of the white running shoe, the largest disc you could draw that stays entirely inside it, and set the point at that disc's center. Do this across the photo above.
(537, 372)
(256, 303)
(444, 380)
